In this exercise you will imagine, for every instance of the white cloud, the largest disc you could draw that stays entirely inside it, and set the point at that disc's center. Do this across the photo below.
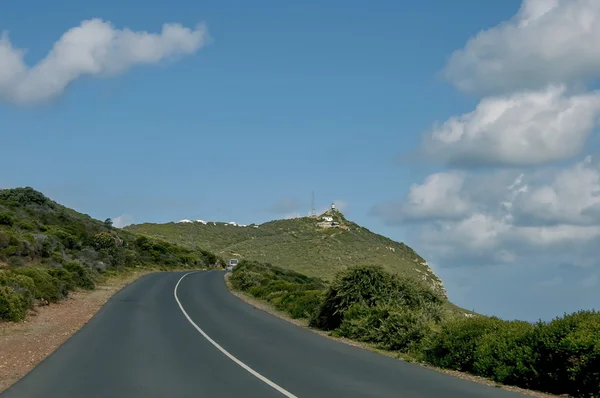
(547, 41)
(525, 128)
(573, 197)
(94, 48)
(439, 197)
(122, 221)
(539, 213)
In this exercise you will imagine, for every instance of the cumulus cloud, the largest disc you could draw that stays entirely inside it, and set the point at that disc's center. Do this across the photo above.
(439, 197)
(122, 221)
(94, 48)
(524, 128)
(572, 197)
(285, 206)
(548, 211)
(546, 41)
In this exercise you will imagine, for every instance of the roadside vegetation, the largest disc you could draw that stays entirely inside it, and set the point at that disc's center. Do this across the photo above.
(371, 305)
(48, 250)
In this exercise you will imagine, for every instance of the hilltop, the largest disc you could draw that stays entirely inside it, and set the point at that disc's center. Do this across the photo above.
(316, 246)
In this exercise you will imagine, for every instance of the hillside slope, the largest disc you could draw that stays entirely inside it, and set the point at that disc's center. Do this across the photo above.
(310, 245)
(35, 230)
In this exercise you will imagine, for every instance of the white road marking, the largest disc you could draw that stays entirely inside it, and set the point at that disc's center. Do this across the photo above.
(223, 350)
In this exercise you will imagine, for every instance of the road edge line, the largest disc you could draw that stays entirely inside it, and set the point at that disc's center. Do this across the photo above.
(223, 350)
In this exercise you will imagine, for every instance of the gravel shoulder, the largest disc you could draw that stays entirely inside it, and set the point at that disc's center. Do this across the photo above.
(25, 344)
(264, 306)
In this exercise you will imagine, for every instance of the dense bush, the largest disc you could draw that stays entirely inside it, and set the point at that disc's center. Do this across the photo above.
(6, 219)
(506, 354)
(455, 345)
(13, 305)
(81, 275)
(296, 294)
(373, 286)
(559, 357)
(299, 303)
(393, 328)
(567, 354)
(47, 286)
(21, 284)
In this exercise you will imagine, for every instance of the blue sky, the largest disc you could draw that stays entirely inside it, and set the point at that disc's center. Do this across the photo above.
(274, 100)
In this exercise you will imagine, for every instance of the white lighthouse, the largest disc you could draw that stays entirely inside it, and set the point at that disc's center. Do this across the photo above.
(332, 206)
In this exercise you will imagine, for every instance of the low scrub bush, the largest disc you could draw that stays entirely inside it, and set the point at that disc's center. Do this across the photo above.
(6, 219)
(567, 354)
(22, 284)
(298, 295)
(559, 357)
(63, 276)
(13, 305)
(506, 355)
(47, 286)
(81, 275)
(373, 286)
(395, 328)
(455, 344)
(299, 304)
(245, 279)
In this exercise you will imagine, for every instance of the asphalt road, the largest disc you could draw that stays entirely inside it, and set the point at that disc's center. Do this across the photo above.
(143, 343)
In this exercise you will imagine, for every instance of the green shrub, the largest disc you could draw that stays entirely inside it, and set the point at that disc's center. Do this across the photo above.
(245, 279)
(6, 219)
(67, 239)
(26, 225)
(568, 354)
(455, 345)
(81, 275)
(20, 283)
(4, 239)
(396, 328)
(300, 304)
(65, 277)
(372, 286)
(46, 286)
(360, 323)
(13, 305)
(402, 329)
(25, 196)
(271, 287)
(104, 240)
(16, 261)
(506, 355)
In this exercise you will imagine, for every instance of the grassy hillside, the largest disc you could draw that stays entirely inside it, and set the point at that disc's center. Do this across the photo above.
(301, 245)
(46, 250)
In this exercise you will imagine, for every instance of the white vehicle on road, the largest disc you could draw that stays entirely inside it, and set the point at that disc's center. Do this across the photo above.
(231, 264)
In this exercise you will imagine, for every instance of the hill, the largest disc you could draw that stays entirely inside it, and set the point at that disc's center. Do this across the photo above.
(35, 230)
(315, 246)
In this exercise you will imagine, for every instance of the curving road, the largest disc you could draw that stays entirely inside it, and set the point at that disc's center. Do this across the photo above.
(202, 341)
